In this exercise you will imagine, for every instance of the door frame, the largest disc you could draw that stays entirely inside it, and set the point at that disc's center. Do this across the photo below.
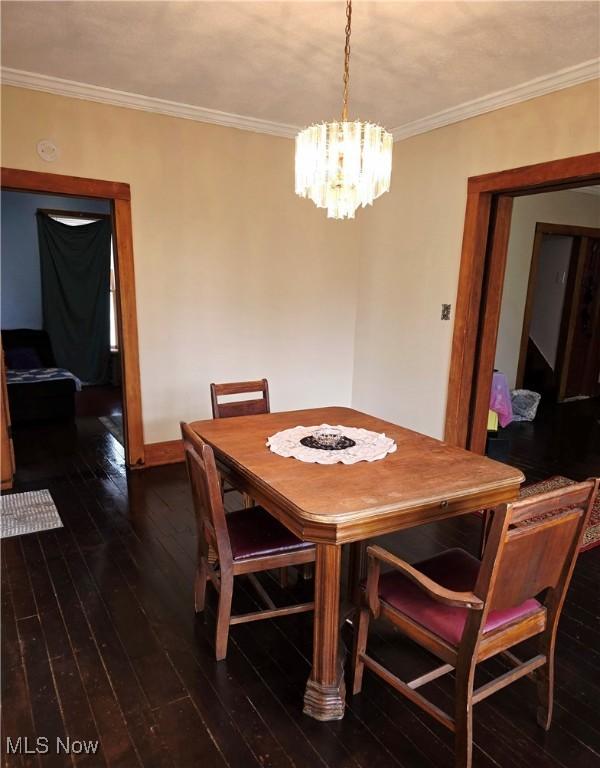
(119, 195)
(7, 454)
(481, 280)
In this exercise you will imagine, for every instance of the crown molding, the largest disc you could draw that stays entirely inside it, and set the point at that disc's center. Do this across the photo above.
(76, 90)
(564, 78)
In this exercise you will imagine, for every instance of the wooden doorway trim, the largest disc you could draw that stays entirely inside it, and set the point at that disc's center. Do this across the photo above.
(481, 278)
(7, 455)
(119, 195)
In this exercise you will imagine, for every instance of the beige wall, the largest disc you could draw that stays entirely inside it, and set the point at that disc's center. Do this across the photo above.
(412, 240)
(236, 277)
(576, 208)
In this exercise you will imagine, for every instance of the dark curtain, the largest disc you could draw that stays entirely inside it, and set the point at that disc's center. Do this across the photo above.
(75, 266)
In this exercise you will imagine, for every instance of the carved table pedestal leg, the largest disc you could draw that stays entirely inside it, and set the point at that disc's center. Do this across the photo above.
(325, 694)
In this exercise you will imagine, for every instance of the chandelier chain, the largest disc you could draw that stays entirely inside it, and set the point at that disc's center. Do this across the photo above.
(347, 59)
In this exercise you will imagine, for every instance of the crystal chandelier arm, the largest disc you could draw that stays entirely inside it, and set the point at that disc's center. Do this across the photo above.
(347, 60)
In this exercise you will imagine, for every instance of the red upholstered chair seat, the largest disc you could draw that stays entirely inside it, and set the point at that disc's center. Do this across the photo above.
(454, 569)
(254, 532)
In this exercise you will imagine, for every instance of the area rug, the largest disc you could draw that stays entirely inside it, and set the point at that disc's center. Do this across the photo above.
(114, 424)
(27, 512)
(591, 537)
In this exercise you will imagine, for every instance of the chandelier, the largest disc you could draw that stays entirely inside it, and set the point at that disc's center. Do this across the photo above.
(342, 165)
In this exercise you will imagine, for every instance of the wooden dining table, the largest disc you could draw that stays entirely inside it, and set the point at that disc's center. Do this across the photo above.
(424, 480)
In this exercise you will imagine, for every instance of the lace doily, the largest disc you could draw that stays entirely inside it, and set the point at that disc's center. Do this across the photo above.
(370, 446)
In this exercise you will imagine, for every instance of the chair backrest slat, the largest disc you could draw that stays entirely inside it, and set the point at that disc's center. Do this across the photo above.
(551, 501)
(243, 408)
(206, 495)
(250, 407)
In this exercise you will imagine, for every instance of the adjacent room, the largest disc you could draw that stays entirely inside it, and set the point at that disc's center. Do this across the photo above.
(546, 391)
(59, 326)
(300, 380)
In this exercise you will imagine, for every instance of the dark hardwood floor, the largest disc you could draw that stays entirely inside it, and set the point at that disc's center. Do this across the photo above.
(563, 439)
(100, 400)
(100, 642)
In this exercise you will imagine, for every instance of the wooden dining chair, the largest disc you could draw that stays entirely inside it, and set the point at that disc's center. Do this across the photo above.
(464, 610)
(234, 408)
(249, 407)
(245, 542)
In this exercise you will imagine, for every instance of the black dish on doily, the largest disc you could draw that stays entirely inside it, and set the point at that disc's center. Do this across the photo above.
(344, 442)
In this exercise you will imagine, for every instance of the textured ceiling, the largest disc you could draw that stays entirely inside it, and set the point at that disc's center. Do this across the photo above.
(282, 61)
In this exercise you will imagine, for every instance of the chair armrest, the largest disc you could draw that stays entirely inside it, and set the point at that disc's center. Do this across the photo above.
(377, 555)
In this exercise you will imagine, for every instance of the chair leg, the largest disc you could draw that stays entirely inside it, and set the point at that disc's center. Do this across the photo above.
(200, 585)
(485, 522)
(545, 688)
(463, 718)
(361, 631)
(223, 617)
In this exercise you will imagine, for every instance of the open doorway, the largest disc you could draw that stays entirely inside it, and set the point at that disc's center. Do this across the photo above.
(101, 361)
(487, 229)
(548, 344)
(102, 397)
(59, 325)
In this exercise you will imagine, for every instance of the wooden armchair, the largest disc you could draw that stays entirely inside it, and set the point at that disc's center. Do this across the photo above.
(464, 610)
(245, 542)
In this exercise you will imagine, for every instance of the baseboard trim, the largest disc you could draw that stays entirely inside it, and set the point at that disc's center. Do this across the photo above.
(157, 454)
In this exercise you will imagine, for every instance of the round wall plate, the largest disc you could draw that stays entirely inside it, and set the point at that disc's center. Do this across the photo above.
(47, 150)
